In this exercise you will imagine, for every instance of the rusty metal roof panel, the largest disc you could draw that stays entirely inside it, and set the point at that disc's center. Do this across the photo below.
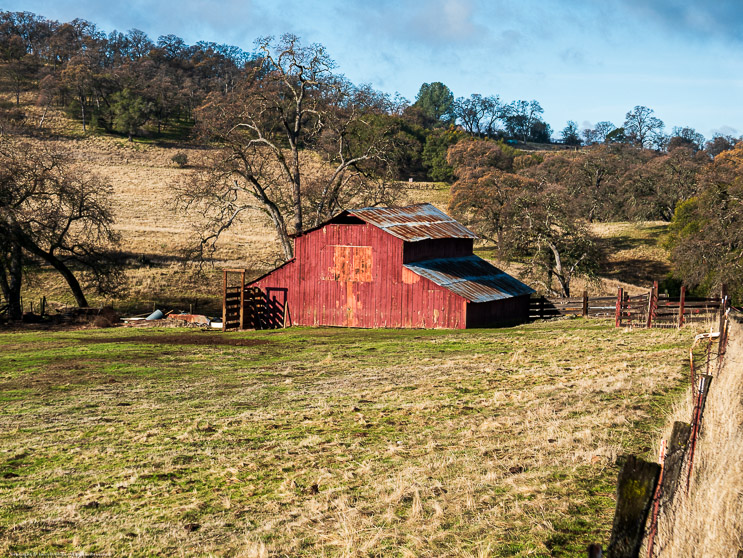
(470, 277)
(414, 222)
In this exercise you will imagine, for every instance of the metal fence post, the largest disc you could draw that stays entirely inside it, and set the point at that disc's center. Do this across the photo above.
(723, 301)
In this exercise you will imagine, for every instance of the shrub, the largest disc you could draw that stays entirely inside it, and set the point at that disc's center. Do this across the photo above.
(180, 159)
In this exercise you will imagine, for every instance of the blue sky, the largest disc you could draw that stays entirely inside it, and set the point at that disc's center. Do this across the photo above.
(583, 60)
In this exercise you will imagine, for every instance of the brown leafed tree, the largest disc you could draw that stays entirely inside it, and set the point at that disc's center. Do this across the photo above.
(531, 219)
(288, 110)
(654, 187)
(485, 189)
(706, 238)
(51, 211)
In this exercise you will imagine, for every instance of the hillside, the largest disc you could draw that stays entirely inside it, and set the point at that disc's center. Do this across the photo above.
(154, 234)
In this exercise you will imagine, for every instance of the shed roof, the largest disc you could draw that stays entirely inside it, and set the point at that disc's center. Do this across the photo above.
(412, 223)
(470, 277)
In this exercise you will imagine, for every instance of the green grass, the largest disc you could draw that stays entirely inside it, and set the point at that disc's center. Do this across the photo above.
(326, 441)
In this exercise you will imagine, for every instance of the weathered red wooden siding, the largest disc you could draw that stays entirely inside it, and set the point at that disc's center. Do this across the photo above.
(332, 282)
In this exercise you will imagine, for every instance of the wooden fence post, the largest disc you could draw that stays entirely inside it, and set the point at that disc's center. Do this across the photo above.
(682, 302)
(242, 299)
(620, 297)
(585, 304)
(651, 304)
(224, 300)
(723, 301)
(635, 490)
(677, 448)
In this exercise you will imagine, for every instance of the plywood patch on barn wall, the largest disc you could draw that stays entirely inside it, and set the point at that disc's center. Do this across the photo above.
(349, 263)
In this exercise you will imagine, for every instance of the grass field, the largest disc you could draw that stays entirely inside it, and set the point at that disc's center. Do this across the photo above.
(307, 442)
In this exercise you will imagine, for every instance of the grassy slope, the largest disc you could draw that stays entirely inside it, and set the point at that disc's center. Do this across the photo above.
(326, 441)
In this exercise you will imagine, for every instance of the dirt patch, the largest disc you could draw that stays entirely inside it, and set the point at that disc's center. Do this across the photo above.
(180, 339)
(63, 374)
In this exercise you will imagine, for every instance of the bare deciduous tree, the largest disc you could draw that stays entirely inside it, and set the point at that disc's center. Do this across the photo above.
(289, 108)
(53, 211)
(642, 128)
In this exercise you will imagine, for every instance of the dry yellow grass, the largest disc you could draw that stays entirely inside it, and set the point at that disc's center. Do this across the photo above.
(143, 177)
(708, 522)
(634, 254)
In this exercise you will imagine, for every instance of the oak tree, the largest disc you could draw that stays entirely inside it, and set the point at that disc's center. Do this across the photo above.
(642, 128)
(54, 212)
(288, 106)
(706, 239)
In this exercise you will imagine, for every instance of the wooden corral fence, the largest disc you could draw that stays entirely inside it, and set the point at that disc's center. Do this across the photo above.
(653, 309)
(650, 309)
(541, 307)
(249, 307)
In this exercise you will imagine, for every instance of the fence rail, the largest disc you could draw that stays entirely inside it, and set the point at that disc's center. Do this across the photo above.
(650, 309)
(595, 307)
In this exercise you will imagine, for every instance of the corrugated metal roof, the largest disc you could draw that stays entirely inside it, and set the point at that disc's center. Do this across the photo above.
(414, 222)
(470, 277)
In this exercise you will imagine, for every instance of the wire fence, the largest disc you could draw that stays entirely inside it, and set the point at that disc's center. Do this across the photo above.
(644, 488)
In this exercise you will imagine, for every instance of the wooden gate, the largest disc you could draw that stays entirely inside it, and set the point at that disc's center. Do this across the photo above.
(233, 301)
(249, 307)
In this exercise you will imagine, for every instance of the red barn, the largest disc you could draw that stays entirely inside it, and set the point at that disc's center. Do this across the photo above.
(409, 267)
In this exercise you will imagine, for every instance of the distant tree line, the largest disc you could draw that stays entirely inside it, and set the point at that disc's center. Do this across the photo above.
(127, 83)
(116, 82)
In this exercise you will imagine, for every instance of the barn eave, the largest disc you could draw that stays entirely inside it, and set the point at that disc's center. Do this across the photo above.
(470, 277)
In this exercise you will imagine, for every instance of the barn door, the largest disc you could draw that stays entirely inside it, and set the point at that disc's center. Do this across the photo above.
(276, 307)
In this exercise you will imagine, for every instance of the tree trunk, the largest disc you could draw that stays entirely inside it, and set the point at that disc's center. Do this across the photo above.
(60, 266)
(297, 206)
(82, 111)
(11, 277)
(280, 225)
(559, 272)
(77, 291)
(501, 243)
